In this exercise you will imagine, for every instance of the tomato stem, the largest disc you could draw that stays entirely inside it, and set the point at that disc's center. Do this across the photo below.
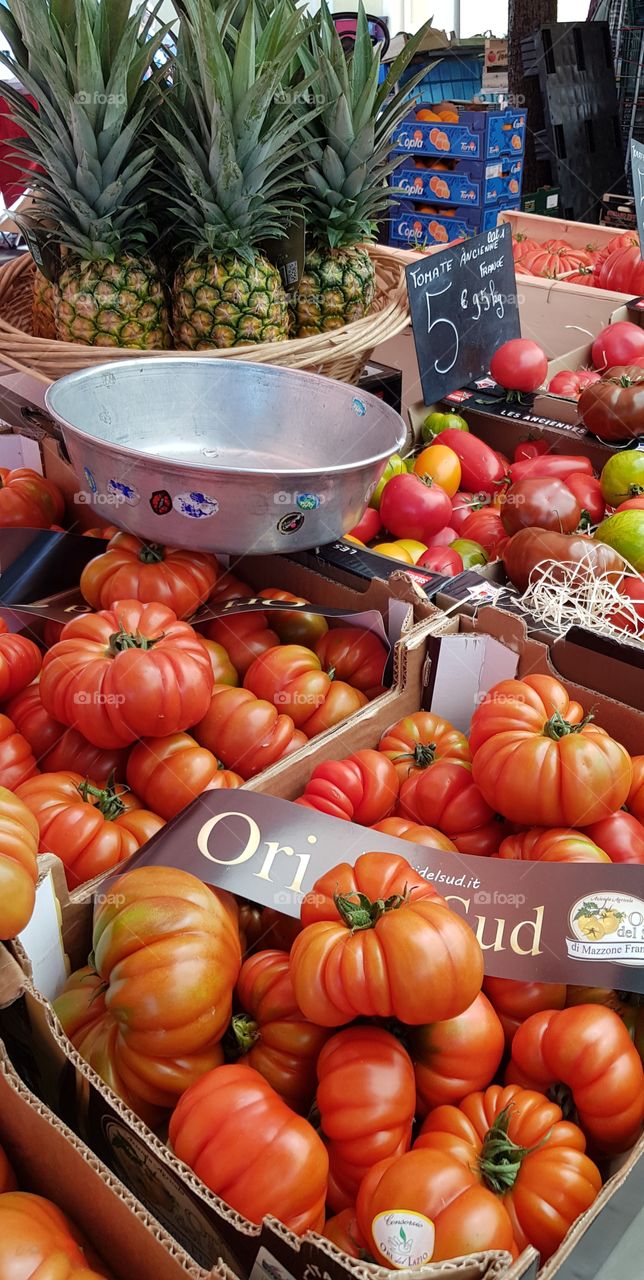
(562, 1095)
(556, 727)
(106, 799)
(500, 1158)
(423, 754)
(245, 1030)
(151, 553)
(363, 913)
(121, 640)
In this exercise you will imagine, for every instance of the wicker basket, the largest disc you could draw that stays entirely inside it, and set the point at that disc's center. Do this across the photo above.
(340, 353)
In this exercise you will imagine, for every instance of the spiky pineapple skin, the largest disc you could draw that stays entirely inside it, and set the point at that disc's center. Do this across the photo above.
(43, 322)
(224, 301)
(112, 304)
(337, 286)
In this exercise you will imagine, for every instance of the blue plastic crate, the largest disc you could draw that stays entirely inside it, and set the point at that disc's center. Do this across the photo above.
(408, 227)
(481, 134)
(452, 77)
(498, 180)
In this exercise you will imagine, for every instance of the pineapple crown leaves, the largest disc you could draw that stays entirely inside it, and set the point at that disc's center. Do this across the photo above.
(348, 146)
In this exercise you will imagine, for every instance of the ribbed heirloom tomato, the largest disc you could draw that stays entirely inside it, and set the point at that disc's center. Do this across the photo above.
(16, 758)
(342, 1231)
(366, 1099)
(388, 953)
(222, 668)
(404, 829)
(129, 569)
(131, 672)
(277, 1040)
(27, 499)
(551, 844)
(635, 800)
(419, 739)
(515, 1001)
(522, 1150)
(275, 1162)
(354, 655)
(59, 749)
(296, 626)
(362, 788)
(171, 772)
(37, 1240)
(587, 1048)
(446, 796)
(621, 837)
(20, 662)
(19, 838)
(291, 677)
(457, 1056)
(89, 828)
(244, 636)
(246, 733)
(529, 729)
(149, 1013)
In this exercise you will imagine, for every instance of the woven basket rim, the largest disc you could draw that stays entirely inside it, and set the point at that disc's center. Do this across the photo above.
(385, 321)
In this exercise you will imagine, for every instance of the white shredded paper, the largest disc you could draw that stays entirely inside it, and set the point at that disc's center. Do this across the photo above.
(569, 594)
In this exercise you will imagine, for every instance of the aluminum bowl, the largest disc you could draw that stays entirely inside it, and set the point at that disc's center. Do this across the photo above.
(224, 455)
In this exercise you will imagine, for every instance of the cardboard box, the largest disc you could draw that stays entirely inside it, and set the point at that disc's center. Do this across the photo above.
(202, 1224)
(580, 235)
(49, 1160)
(483, 132)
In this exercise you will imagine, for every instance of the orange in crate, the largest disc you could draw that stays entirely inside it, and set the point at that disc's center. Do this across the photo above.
(425, 114)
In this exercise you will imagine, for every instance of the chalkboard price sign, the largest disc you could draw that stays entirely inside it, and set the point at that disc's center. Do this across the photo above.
(463, 304)
(637, 169)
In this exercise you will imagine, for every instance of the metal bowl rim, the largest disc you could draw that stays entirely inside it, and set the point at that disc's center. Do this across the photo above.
(82, 375)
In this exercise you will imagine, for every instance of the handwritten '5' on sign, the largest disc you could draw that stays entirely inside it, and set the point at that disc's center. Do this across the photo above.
(463, 304)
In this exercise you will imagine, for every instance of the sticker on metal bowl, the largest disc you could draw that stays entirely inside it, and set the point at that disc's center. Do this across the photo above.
(89, 476)
(123, 492)
(358, 406)
(290, 523)
(196, 506)
(404, 1238)
(161, 502)
(308, 501)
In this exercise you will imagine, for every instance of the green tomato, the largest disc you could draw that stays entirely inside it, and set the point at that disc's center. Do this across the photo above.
(625, 533)
(396, 466)
(409, 462)
(623, 477)
(471, 553)
(436, 422)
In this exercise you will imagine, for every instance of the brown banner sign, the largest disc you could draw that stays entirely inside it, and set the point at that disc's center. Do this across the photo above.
(548, 922)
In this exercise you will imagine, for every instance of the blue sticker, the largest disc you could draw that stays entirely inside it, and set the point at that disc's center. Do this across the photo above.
(89, 476)
(197, 506)
(358, 407)
(124, 492)
(307, 501)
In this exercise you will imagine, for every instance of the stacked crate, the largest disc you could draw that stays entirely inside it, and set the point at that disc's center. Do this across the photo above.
(456, 177)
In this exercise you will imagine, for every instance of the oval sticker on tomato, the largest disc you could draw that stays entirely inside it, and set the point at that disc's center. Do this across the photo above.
(404, 1238)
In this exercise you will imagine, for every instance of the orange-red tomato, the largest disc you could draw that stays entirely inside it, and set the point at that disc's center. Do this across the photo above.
(621, 837)
(244, 636)
(355, 656)
(19, 837)
(222, 668)
(171, 772)
(635, 800)
(228, 587)
(384, 875)
(366, 1099)
(588, 1048)
(342, 1231)
(20, 662)
(279, 1041)
(291, 677)
(275, 1161)
(129, 569)
(37, 1240)
(516, 1001)
(455, 1057)
(246, 733)
(27, 499)
(418, 740)
(361, 788)
(59, 749)
(89, 828)
(551, 844)
(403, 829)
(529, 729)
(446, 796)
(16, 758)
(523, 1150)
(384, 955)
(294, 626)
(131, 672)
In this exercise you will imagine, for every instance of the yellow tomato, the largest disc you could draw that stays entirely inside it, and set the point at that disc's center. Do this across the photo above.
(348, 537)
(442, 465)
(415, 549)
(394, 550)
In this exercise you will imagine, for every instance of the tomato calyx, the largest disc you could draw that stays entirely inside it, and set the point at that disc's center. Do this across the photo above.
(151, 553)
(500, 1158)
(106, 799)
(585, 520)
(561, 1094)
(121, 640)
(245, 1031)
(363, 913)
(557, 728)
(624, 381)
(423, 754)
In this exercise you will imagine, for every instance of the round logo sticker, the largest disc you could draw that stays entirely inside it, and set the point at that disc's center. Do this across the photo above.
(308, 501)
(404, 1238)
(607, 926)
(196, 506)
(290, 523)
(358, 407)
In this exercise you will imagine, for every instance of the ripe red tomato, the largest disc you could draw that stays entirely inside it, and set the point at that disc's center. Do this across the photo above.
(366, 1099)
(481, 468)
(621, 837)
(20, 662)
(486, 528)
(588, 492)
(410, 508)
(134, 671)
(19, 839)
(342, 1231)
(354, 655)
(540, 503)
(442, 538)
(368, 526)
(463, 504)
(291, 677)
(570, 383)
(36, 1239)
(552, 844)
(403, 829)
(453, 1058)
(620, 343)
(294, 626)
(244, 636)
(623, 271)
(588, 1048)
(59, 749)
(246, 733)
(635, 799)
(419, 739)
(519, 365)
(410, 959)
(516, 1001)
(631, 504)
(233, 1109)
(27, 499)
(129, 569)
(361, 788)
(441, 560)
(171, 772)
(527, 449)
(16, 758)
(276, 1038)
(446, 796)
(633, 590)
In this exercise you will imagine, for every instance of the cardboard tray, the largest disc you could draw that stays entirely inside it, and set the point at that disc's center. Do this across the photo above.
(578, 234)
(51, 1161)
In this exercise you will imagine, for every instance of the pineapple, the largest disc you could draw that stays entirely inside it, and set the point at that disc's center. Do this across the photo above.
(230, 131)
(346, 153)
(84, 62)
(43, 322)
